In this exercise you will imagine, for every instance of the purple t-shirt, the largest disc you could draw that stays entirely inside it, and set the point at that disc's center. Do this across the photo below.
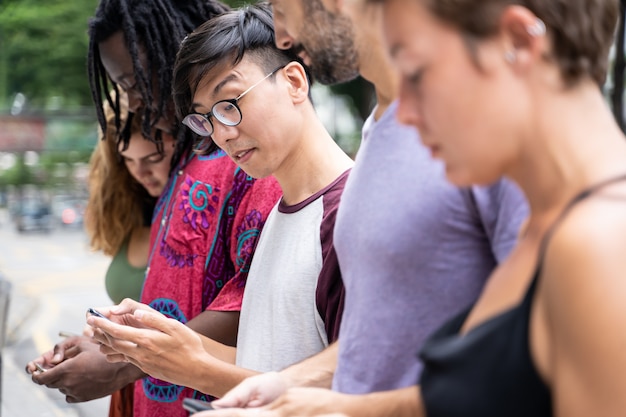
(413, 250)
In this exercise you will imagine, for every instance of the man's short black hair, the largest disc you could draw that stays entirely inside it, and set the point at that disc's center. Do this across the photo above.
(225, 40)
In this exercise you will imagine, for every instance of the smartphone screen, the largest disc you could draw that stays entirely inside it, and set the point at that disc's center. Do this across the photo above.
(195, 406)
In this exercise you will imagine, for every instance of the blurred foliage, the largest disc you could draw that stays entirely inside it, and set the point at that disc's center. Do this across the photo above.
(54, 170)
(361, 93)
(19, 174)
(64, 135)
(43, 49)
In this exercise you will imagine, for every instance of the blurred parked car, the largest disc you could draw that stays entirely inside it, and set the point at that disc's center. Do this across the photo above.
(69, 212)
(32, 215)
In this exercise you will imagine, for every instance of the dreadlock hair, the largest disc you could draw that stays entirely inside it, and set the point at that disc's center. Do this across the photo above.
(225, 40)
(157, 26)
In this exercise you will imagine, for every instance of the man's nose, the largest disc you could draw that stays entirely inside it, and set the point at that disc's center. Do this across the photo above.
(135, 101)
(282, 38)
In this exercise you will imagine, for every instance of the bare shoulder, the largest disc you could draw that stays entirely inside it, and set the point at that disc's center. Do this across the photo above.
(588, 247)
(581, 300)
(583, 283)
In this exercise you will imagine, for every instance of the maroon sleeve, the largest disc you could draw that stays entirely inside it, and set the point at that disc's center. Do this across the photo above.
(329, 295)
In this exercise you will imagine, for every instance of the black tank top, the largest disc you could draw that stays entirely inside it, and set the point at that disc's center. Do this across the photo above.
(489, 371)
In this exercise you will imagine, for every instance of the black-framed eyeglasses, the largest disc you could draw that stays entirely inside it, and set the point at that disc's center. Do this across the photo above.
(227, 112)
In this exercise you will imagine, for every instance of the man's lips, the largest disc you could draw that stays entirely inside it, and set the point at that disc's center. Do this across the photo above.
(242, 155)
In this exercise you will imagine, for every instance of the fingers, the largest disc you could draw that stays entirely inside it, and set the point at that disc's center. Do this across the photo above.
(152, 319)
(72, 351)
(64, 349)
(100, 337)
(49, 378)
(255, 391)
(118, 347)
(88, 331)
(238, 397)
(31, 368)
(71, 400)
(128, 306)
(104, 330)
(234, 412)
(122, 337)
(48, 359)
(235, 398)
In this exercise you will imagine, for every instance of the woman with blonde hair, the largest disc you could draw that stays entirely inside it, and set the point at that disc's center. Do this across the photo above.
(124, 183)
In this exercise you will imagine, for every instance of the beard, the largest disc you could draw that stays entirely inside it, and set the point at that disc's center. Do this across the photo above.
(329, 42)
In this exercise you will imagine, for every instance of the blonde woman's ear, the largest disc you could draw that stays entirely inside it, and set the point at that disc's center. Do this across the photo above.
(537, 29)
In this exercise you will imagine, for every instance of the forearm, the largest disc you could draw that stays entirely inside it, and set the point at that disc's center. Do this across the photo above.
(218, 350)
(220, 326)
(216, 377)
(405, 402)
(316, 371)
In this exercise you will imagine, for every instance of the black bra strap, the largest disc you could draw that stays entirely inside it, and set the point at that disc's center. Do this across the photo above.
(577, 199)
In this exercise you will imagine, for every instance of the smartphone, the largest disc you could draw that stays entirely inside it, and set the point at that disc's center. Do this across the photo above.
(39, 367)
(195, 406)
(94, 312)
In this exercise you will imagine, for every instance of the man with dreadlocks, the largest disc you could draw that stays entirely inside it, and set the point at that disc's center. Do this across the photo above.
(205, 224)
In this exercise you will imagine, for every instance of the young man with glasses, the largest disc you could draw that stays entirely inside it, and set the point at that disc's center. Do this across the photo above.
(233, 87)
(428, 246)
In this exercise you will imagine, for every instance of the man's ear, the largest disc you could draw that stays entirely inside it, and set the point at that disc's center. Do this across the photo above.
(298, 83)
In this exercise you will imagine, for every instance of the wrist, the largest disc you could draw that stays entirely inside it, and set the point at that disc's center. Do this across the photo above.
(128, 373)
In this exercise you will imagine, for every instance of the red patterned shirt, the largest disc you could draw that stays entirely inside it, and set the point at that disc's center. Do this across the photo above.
(204, 232)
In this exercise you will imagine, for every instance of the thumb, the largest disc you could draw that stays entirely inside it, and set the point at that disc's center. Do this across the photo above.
(60, 348)
(238, 397)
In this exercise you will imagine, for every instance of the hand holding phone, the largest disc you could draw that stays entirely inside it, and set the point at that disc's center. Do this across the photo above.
(39, 367)
(94, 312)
(195, 406)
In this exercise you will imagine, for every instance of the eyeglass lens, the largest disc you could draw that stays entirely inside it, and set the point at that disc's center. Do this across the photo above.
(226, 112)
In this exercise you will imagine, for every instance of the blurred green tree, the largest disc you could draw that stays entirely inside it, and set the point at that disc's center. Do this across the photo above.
(18, 175)
(43, 49)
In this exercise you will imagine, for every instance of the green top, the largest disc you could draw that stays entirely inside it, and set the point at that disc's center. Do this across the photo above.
(122, 280)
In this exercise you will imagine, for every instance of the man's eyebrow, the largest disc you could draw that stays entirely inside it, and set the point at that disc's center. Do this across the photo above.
(216, 90)
(221, 84)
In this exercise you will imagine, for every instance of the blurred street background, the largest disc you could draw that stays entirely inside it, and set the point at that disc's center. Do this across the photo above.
(54, 279)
